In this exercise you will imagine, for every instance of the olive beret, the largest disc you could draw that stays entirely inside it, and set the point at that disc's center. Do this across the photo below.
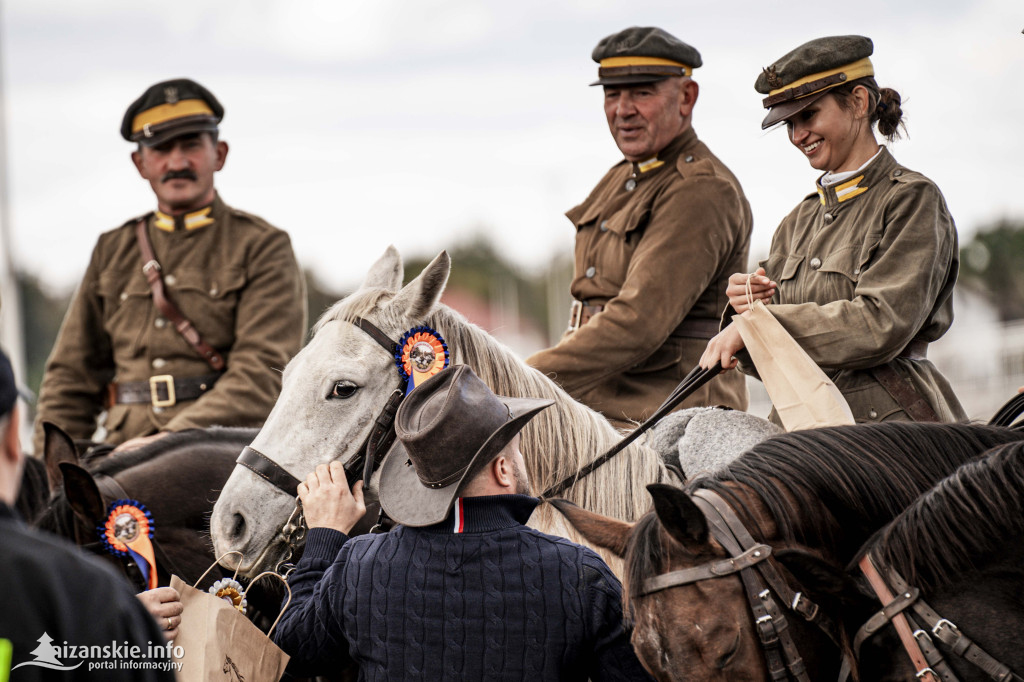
(642, 55)
(804, 75)
(169, 109)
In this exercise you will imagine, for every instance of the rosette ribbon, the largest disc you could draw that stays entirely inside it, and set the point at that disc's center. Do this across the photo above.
(128, 532)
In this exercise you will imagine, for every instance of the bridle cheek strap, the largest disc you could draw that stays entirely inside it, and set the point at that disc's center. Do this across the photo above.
(269, 470)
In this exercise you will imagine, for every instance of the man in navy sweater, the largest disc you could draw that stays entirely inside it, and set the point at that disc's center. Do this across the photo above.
(461, 589)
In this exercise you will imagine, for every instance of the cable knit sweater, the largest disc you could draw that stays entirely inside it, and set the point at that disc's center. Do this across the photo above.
(477, 597)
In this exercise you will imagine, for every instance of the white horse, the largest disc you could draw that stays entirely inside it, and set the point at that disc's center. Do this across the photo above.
(334, 388)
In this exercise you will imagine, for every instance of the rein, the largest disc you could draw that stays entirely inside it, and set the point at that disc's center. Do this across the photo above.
(371, 453)
(928, 661)
(762, 582)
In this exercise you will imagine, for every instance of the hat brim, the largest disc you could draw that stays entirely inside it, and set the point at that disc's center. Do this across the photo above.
(635, 79)
(780, 112)
(404, 497)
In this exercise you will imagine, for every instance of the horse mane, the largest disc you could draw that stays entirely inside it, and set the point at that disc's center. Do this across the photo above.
(115, 463)
(833, 487)
(959, 524)
(558, 441)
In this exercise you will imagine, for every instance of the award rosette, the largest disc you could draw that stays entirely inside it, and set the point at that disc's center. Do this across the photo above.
(421, 353)
(128, 532)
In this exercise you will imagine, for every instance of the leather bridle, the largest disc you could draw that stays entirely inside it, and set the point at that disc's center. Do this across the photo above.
(763, 585)
(372, 451)
(917, 625)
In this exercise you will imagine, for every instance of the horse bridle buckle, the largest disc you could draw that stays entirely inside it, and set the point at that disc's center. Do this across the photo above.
(167, 381)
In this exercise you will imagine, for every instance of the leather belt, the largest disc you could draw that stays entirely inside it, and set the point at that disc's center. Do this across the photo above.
(691, 327)
(161, 390)
(902, 391)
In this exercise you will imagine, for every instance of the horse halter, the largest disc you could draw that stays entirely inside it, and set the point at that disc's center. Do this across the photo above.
(760, 576)
(928, 661)
(371, 453)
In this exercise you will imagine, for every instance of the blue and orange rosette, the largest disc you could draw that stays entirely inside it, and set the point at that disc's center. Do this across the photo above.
(127, 531)
(421, 353)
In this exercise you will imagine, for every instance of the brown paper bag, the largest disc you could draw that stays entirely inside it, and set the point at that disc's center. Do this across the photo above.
(220, 643)
(802, 395)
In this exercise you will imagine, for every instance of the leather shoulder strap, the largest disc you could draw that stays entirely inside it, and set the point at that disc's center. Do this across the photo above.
(151, 269)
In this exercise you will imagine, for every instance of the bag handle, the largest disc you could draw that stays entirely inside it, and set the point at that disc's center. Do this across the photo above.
(749, 291)
(286, 604)
(234, 576)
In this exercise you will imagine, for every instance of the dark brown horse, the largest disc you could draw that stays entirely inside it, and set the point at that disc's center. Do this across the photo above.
(962, 545)
(824, 491)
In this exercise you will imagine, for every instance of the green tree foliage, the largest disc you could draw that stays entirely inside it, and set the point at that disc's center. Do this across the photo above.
(43, 312)
(992, 264)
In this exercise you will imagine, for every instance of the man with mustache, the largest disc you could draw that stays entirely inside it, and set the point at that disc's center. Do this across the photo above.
(656, 241)
(237, 305)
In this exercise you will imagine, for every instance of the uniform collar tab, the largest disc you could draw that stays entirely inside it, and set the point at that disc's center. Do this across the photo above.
(186, 221)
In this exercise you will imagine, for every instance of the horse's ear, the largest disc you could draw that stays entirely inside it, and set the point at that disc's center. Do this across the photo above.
(57, 447)
(82, 493)
(601, 531)
(419, 296)
(386, 272)
(683, 520)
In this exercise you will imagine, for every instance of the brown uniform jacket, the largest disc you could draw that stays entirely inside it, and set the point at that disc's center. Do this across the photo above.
(864, 268)
(656, 248)
(237, 279)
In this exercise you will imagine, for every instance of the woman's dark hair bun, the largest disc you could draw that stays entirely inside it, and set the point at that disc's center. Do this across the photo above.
(889, 114)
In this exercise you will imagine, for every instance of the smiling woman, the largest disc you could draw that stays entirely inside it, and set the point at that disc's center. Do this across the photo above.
(861, 272)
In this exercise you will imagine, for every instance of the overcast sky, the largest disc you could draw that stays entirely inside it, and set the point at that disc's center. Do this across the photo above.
(419, 122)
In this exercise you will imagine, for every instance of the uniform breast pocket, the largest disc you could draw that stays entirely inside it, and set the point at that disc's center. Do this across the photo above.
(210, 300)
(126, 303)
(839, 273)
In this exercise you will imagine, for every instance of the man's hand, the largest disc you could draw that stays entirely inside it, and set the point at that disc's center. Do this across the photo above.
(723, 348)
(136, 443)
(327, 501)
(761, 288)
(164, 604)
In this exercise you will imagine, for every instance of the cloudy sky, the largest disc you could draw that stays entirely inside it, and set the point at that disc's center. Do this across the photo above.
(420, 122)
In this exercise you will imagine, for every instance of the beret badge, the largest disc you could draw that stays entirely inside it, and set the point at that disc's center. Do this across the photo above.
(773, 77)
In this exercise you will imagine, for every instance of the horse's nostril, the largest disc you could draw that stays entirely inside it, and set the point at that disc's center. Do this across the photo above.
(238, 527)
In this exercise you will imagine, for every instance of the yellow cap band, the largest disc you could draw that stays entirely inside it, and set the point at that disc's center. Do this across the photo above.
(613, 62)
(169, 112)
(858, 69)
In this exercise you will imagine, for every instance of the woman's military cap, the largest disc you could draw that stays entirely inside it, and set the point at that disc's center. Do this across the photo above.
(169, 109)
(806, 74)
(642, 55)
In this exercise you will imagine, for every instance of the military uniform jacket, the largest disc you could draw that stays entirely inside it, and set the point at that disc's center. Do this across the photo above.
(656, 248)
(864, 268)
(235, 278)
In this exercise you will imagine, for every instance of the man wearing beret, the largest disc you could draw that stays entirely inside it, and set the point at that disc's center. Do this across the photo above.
(656, 241)
(186, 315)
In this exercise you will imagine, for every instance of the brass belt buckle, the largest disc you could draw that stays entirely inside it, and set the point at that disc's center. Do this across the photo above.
(575, 315)
(154, 394)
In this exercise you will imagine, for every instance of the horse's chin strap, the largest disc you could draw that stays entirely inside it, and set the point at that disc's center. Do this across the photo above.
(928, 661)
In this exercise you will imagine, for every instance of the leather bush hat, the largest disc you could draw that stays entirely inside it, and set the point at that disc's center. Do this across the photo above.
(642, 55)
(170, 109)
(447, 430)
(803, 76)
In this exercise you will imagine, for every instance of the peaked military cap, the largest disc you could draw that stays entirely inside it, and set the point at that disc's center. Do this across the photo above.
(643, 55)
(801, 77)
(169, 109)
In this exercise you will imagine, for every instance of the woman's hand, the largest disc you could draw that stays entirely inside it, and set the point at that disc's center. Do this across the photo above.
(164, 604)
(327, 501)
(761, 288)
(723, 349)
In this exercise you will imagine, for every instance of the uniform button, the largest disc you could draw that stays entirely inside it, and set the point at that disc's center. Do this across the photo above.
(856, 271)
(688, 159)
(124, 295)
(815, 263)
(630, 185)
(591, 271)
(604, 226)
(873, 414)
(214, 291)
(170, 280)
(157, 410)
(158, 363)
(897, 172)
(160, 322)
(828, 217)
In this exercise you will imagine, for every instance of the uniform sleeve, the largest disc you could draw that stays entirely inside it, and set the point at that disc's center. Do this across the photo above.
(612, 656)
(270, 323)
(310, 629)
(690, 233)
(80, 365)
(896, 293)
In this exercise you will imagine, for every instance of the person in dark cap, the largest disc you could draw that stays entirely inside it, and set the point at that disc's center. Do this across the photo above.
(656, 241)
(187, 314)
(461, 589)
(57, 597)
(861, 272)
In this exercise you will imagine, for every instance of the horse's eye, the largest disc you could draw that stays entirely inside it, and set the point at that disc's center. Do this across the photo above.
(343, 390)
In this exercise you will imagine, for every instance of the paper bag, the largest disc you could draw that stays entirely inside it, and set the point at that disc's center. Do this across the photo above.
(220, 643)
(802, 395)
